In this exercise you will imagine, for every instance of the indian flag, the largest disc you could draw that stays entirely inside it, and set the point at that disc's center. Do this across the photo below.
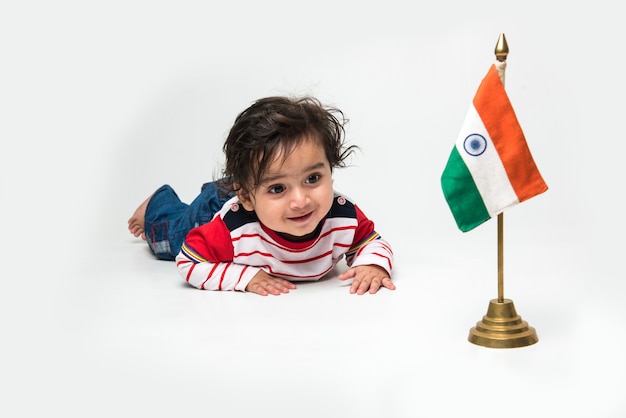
(490, 167)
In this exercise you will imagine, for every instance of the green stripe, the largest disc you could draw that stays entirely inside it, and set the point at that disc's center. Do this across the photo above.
(462, 195)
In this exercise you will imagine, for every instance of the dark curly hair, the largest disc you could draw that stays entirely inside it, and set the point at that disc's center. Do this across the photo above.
(274, 125)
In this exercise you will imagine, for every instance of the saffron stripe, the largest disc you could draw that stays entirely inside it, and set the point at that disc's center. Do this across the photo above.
(495, 109)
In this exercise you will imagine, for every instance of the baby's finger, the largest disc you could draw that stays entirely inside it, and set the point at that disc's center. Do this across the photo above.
(386, 282)
(277, 286)
(375, 285)
(347, 274)
(363, 285)
(259, 289)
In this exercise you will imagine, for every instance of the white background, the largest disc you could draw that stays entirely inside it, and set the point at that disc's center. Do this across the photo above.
(103, 102)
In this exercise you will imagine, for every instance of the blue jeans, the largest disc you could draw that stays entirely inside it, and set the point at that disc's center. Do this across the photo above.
(168, 220)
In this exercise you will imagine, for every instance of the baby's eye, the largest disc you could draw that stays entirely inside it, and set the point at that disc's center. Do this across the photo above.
(313, 178)
(276, 189)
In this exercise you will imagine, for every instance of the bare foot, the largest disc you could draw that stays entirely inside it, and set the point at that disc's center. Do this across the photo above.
(136, 222)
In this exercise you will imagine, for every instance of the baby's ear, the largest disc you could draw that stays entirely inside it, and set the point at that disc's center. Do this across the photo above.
(244, 199)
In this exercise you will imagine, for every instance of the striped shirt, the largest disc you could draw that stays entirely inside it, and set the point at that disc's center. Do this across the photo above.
(226, 253)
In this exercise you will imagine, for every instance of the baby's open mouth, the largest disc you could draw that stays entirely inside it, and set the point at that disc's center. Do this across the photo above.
(302, 217)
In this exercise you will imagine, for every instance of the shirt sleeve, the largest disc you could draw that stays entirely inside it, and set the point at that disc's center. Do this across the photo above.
(205, 260)
(368, 246)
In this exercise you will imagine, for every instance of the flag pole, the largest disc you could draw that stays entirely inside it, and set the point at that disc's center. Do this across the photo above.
(501, 257)
(502, 52)
(502, 327)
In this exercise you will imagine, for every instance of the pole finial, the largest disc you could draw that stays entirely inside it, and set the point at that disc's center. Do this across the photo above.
(502, 48)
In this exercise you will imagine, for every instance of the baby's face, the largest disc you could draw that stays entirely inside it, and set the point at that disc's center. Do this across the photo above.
(295, 194)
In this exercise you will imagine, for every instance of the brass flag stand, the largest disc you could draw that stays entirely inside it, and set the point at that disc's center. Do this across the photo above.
(502, 327)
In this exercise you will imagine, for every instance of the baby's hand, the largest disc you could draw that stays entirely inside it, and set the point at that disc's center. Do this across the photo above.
(265, 284)
(367, 277)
